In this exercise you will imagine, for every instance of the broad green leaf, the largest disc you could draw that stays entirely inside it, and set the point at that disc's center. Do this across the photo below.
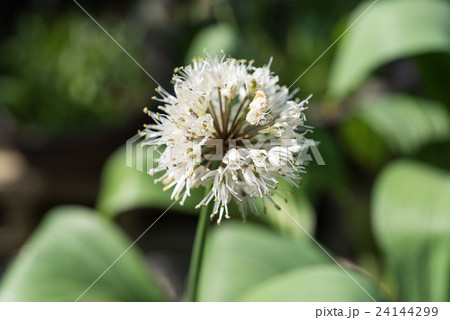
(411, 220)
(240, 256)
(314, 283)
(72, 247)
(406, 123)
(213, 38)
(403, 123)
(389, 30)
(124, 188)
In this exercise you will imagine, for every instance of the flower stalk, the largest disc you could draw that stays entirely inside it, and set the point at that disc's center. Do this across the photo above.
(197, 252)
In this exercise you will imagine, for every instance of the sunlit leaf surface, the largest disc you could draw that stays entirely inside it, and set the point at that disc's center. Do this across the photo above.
(388, 31)
(248, 262)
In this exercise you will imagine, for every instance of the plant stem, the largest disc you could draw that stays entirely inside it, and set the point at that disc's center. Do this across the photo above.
(197, 252)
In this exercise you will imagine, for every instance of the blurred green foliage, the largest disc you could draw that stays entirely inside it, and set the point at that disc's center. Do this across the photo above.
(411, 210)
(364, 121)
(63, 74)
(248, 263)
(394, 123)
(68, 252)
(386, 33)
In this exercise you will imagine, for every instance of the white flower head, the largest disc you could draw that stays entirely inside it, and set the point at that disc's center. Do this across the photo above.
(231, 101)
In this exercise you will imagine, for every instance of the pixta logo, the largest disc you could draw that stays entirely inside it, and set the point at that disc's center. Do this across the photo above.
(142, 157)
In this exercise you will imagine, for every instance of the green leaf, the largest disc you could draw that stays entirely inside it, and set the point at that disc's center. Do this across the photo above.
(406, 123)
(411, 221)
(240, 256)
(213, 38)
(313, 283)
(389, 30)
(72, 247)
(124, 188)
(403, 124)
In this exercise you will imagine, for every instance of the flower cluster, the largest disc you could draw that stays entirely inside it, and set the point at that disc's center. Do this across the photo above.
(230, 125)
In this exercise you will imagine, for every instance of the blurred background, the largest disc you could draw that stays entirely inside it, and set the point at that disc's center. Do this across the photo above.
(70, 98)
